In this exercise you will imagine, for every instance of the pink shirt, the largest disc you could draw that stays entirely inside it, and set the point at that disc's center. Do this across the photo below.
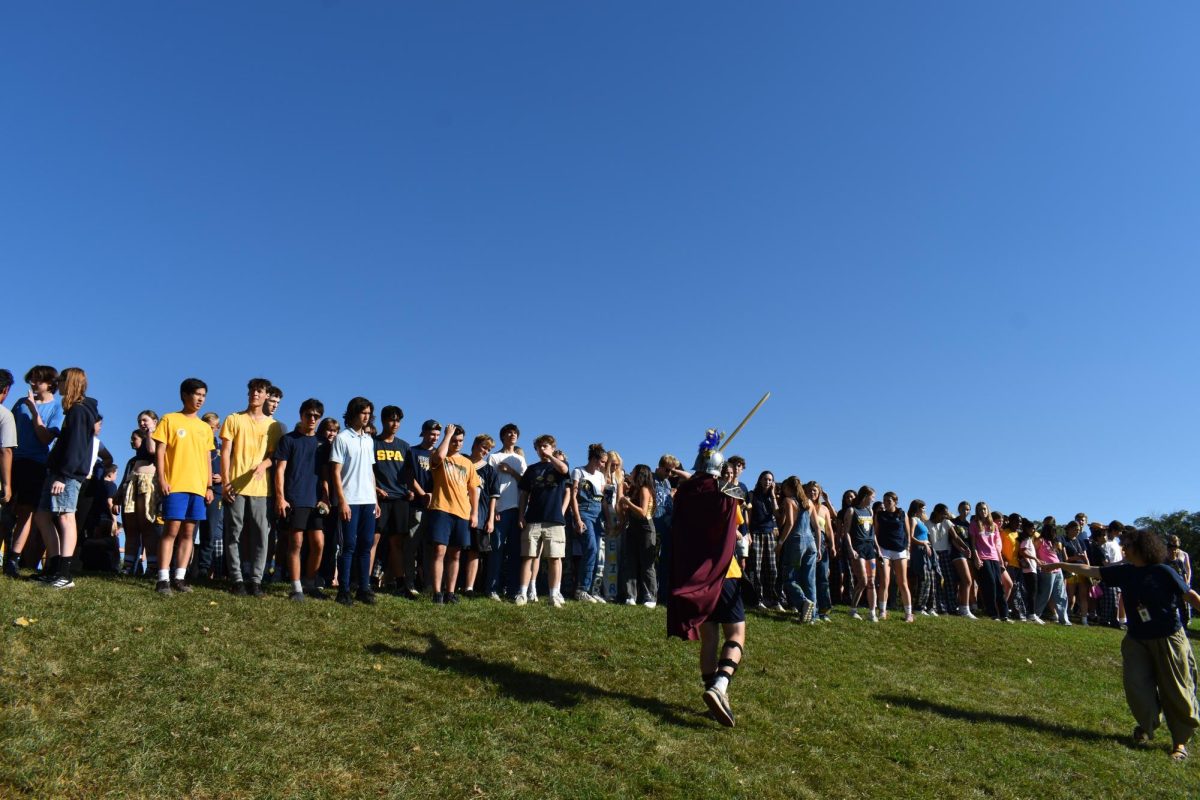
(987, 545)
(1046, 552)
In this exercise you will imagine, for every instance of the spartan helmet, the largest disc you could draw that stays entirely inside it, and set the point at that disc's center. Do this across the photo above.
(709, 461)
(709, 458)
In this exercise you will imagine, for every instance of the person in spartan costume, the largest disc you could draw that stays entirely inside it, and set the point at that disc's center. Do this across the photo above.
(705, 601)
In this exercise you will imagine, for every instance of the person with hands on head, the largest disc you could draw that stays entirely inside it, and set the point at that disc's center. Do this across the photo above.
(183, 443)
(352, 477)
(297, 498)
(1158, 667)
(541, 518)
(453, 511)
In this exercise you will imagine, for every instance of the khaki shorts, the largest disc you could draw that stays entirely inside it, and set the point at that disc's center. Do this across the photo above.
(552, 535)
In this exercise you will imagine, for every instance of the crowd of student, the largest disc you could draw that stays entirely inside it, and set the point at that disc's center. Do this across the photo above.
(246, 501)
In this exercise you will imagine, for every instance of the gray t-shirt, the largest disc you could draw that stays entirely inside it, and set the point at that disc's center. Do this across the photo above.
(8, 428)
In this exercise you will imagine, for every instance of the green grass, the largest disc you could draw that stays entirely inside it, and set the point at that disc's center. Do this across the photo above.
(115, 692)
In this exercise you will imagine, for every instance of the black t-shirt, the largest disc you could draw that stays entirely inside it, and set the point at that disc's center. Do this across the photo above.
(489, 487)
(390, 458)
(1156, 589)
(301, 473)
(99, 512)
(889, 531)
(545, 485)
(416, 472)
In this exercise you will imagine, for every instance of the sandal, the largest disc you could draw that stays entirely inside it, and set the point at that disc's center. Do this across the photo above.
(1179, 754)
(1140, 737)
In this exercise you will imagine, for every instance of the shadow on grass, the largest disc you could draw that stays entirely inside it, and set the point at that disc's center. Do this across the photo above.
(1012, 720)
(532, 687)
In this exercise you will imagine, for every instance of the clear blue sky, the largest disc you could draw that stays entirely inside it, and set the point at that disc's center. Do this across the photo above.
(957, 241)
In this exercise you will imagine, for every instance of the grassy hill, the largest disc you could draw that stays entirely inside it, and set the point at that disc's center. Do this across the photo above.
(115, 692)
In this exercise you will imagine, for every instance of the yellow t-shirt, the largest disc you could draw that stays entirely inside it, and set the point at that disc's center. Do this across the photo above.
(276, 432)
(250, 438)
(453, 480)
(734, 570)
(1008, 546)
(188, 442)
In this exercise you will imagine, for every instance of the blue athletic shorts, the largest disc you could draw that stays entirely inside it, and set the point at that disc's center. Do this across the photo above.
(447, 529)
(729, 606)
(184, 506)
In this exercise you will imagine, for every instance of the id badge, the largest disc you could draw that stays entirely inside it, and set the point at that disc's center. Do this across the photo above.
(1143, 613)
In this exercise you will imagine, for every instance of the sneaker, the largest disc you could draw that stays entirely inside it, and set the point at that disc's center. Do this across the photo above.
(520, 599)
(718, 706)
(824, 618)
(556, 600)
(761, 606)
(629, 601)
(296, 597)
(494, 596)
(468, 594)
(582, 597)
(43, 577)
(1009, 621)
(806, 608)
(254, 589)
(966, 612)
(533, 598)
(316, 593)
(883, 613)
(344, 598)
(61, 583)
(924, 613)
(781, 607)
(1066, 622)
(163, 588)
(238, 589)
(933, 612)
(439, 599)
(11, 569)
(909, 617)
(874, 617)
(451, 599)
(1037, 619)
(365, 596)
(650, 604)
(181, 586)
(855, 615)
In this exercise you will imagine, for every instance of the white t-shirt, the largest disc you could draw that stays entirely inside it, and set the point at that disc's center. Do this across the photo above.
(510, 494)
(939, 535)
(596, 479)
(356, 453)
(1114, 551)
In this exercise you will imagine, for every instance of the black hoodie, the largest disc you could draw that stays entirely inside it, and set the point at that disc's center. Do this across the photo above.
(71, 455)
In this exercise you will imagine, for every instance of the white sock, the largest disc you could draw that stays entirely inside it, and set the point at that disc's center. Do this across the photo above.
(164, 574)
(297, 586)
(524, 590)
(721, 683)
(180, 573)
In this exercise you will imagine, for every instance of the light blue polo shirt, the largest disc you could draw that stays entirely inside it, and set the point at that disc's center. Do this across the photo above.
(356, 453)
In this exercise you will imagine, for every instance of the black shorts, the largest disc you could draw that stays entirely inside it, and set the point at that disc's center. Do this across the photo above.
(303, 518)
(27, 479)
(393, 517)
(729, 606)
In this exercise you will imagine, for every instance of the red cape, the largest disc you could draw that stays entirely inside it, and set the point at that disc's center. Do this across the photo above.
(703, 535)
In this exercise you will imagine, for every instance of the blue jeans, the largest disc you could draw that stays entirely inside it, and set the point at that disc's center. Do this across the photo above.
(589, 547)
(824, 602)
(800, 569)
(504, 563)
(1051, 587)
(357, 537)
(211, 531)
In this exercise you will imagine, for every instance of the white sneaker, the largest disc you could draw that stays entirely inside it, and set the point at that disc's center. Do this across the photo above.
(557, 600)
(781, 607)
(532, 593)
(1037, 619)
(966, 612)
(494, 596)
(629, 601)
(854, 614)
(650, 604)
(933, 612)
(874, 617)
(520, 599)
(583, 597)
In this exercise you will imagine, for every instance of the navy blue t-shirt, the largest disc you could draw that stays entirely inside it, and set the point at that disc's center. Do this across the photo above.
(1156, 588)
(390, 458)
(545, 485)
(301, 474)
(489, 487)
(416, 472)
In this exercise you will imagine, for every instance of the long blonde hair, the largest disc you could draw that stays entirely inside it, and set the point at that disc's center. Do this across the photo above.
(616, 467)
(72, 385)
